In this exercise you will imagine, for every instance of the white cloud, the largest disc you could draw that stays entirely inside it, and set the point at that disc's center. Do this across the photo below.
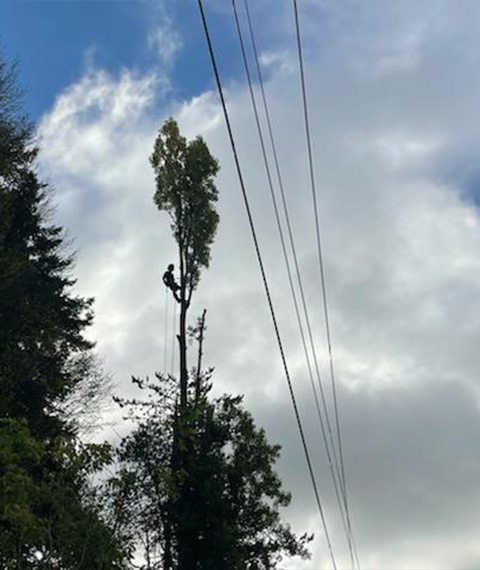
(163, 39)
(165, 42)
(278, 61)
(401, 234)
(95, 147)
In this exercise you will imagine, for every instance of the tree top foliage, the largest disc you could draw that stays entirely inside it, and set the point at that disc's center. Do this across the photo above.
(50, 513)
(42, 321)
(185, 189)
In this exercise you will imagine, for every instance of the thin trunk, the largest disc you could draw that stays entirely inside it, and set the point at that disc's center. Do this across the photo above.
(182, 337)
(180, 447)
(167, 513)
(147, 551)
(167, 534)
(200, 354)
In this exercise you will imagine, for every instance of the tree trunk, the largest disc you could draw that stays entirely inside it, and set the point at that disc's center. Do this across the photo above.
(182, 339)
(167, 534)
(200, 354)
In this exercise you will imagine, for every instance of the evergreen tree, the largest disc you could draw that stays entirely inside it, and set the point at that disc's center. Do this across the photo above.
(49, 513)
(42, 322)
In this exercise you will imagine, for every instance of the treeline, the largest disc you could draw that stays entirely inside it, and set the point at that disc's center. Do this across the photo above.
(194, 485)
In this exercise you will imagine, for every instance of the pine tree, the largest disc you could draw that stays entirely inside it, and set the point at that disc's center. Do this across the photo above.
(49, 511)
(42, 322)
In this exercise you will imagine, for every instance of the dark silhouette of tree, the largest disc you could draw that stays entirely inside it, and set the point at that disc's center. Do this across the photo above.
(42, 322)
(222, 508)
(51, 516)
(49, 512)
(185, 189)
(197, 487)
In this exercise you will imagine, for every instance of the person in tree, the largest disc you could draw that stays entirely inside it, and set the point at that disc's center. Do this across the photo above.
(169, 280)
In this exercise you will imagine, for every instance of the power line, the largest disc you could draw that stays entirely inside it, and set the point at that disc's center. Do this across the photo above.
(320, 260)
(290, 232)
(165, 335)
(174, 336)
(289, 227)
(285, 256)
(264, 278)
(298, 275)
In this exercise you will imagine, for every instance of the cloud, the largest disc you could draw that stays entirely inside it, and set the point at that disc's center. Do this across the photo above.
(163, 39)
(165, 43)
(394, 95)
(95, 147)
(411, 472)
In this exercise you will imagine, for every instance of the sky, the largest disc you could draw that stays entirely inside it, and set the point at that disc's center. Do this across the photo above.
(394, 95)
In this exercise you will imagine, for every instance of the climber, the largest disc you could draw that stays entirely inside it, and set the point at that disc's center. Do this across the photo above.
(169, 280)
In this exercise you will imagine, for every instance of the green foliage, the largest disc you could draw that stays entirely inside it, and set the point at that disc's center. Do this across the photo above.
(223, 501)
(15, 128)
(197, 488)
(20, 457)
(184, 175)
(50, 513)
(42, 322)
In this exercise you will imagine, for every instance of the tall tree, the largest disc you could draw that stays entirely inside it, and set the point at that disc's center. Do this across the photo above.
(48, 515)
(197, 479)
(42, 322)
(185, 188)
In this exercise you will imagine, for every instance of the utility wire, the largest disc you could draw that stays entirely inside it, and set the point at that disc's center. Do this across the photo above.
(264, 278)
(321, 265)
(288, 267)
(289, 227)
(290, 232)
(165, 335)
(174, 336)
(297, 269)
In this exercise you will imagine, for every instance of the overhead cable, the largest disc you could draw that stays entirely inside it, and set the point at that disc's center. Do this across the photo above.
(320, 258)
(174, 337)
(287, 262)
(165, 334)
(264, 279)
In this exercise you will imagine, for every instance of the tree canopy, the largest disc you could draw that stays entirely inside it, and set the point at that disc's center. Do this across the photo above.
(49, 510)
(197, 474)
(221, 509)
(185, 189)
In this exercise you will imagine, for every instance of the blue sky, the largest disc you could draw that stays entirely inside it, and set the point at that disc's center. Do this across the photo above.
(54, 41)
(394, 95)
